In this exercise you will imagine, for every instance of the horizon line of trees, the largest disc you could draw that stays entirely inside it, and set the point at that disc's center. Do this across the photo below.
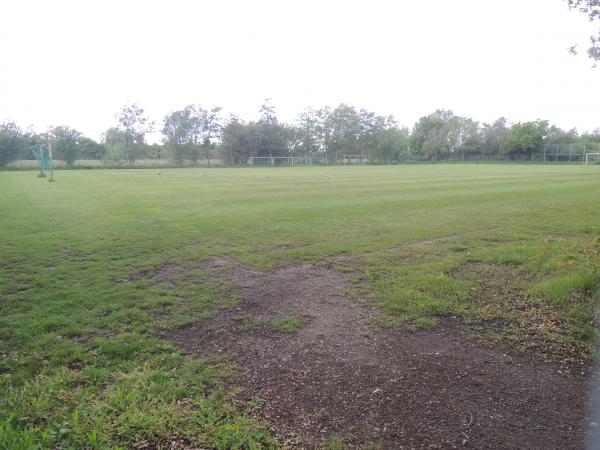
(195, 133)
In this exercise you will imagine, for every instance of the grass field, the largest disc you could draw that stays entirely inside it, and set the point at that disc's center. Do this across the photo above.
(97, 268)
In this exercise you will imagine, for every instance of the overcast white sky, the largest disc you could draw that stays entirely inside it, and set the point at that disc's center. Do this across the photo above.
(76, 62)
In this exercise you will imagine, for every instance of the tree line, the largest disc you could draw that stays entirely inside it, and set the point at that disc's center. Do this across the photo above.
(197, 134)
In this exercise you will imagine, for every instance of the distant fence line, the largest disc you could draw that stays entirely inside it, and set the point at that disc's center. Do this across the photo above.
(84, 163)
(547, 153)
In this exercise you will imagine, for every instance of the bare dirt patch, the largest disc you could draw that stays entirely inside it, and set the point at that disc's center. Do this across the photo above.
(217, 262)
(337, 377)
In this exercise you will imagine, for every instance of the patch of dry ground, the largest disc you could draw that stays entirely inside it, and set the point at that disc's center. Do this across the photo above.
(338, 377)
(505, 310)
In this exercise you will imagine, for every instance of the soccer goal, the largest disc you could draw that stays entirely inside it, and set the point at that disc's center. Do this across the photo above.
(592, 158)
(282, 160)
(355, 159)
(43, 153)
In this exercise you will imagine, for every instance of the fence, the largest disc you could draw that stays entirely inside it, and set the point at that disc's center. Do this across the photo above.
(148, 162)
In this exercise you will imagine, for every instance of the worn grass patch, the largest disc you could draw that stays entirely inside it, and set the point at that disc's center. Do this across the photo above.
(539, 298)
(288, 325)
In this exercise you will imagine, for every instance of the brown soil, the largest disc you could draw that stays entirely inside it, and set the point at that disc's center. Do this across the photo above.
(337, 377)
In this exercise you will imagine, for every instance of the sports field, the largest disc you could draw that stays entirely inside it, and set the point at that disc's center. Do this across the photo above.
(358, 306)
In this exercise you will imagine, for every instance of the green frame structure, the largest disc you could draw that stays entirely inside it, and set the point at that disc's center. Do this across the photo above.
(43, 153)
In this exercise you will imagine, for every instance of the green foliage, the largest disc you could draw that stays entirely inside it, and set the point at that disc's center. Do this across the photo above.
(592, 9)
(288, 325)
(12, 142)
(190, 131)
(195, 133)
(442, 134)
(525, 137)
(65, 144)
(126, 141)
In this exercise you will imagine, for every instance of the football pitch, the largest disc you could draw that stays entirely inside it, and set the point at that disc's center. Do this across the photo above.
(334, 307)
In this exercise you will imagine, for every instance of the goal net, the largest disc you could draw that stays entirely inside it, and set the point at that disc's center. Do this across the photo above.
(283, 160)
(355, 159)
(592, 158)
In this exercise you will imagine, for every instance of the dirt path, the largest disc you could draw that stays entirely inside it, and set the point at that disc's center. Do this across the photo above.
(336, 377)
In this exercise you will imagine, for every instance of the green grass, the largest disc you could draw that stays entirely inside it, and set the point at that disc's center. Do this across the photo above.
(288, 325)
(83, 309)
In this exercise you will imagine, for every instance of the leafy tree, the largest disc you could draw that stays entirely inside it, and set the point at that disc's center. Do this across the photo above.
(90, 149)
(270, 138)
(525, 137)
(592, 9)
(324, 130)
(190, 129)
(267, 113)
(344, 125)
(235, 148)
(494, 136)
(430, 135)
(591, 140)
(266, 137)
(12, 142)
(178, 131)
(307, 137)
(463, 136)
(211, 126)
(391, 145)
(116, 145)
(557, 135)
(65, 143)
(133, 124)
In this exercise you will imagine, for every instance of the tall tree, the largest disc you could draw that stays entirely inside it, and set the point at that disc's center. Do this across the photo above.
(116, 145)
(344, 124)
(391, 145)
(178, 131)
(463, 136)
(134, 124)
(308, 135)
(270, 138)
(211, 125)
(525, 137)
(65, 143)
(90, 149)
(324, 130)
(236, 143)
(190, 129)
(12, 143)
(430, 135)
(494, 136)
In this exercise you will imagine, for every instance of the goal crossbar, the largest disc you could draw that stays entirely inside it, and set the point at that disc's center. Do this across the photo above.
(587, 155)
(349, 158)
(276, 160)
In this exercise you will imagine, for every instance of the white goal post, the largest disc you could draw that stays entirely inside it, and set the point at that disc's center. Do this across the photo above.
(587, 157)
(352, 159)
(282, 160)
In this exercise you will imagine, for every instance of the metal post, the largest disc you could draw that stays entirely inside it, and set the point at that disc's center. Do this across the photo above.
(51, 162)
(545, 148)
(570, 151)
